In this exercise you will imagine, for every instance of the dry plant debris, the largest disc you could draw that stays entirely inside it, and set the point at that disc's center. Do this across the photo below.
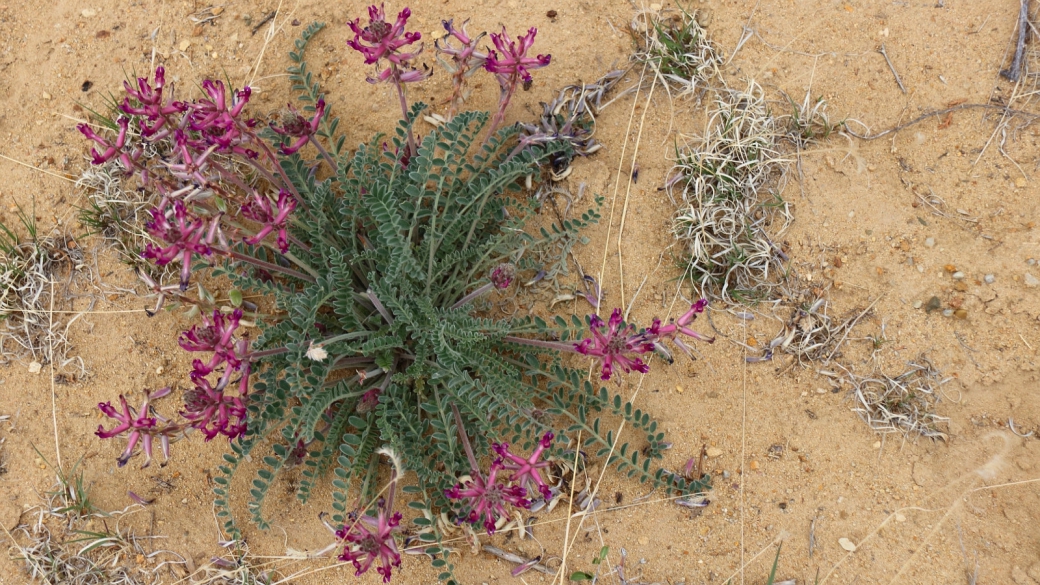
(28, 279)
(904, 403)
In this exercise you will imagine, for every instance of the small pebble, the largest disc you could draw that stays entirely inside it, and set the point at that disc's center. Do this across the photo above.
(35, 367)
(1031, 261)
(958, 275)
(754, 465)
(948, 313)
(933, 304)
(184, 500)
(918, 304)
(929, 243)
(961, 313)
(847, 544)
(1030, 280)
(900, 518)
(877, 444)
(46, 96)
(714, 452)
(88, 12)
(989, 278)
(644, 540)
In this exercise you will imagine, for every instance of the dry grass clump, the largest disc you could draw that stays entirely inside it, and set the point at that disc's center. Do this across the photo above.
(28, 270)
(725, 222)
(113, 212)
(64, 544)
(678, 50)
(904, 403)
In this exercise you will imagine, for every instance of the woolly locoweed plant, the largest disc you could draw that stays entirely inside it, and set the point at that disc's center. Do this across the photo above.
(375, 337)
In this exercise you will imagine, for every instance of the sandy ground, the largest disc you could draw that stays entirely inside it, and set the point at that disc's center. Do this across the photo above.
(920, 511)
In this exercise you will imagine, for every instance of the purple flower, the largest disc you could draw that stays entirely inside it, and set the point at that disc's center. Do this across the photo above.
(486, 498)
(259, 210)
(142, 428)
(527, 471)
(110, 149)
(369, 539)
(465, 60)
(150, 100)
(215, 336)
(502, 275)
(216, 119)
(211, 410)
(620, 345)
(299, 127)
(379, 40)
(615, 345)
(184, 235)
(514, 62)
(467, 56)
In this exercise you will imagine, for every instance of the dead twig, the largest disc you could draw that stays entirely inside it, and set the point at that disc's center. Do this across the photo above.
(1014, 72)
(1009, 111)
(264, 21)
(892, 67)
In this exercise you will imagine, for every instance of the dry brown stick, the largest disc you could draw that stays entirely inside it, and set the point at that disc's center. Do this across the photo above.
(892, 67)
(264, 21)
(1014, 72)
(924, 117)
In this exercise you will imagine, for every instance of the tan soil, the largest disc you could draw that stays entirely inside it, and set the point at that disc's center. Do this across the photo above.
(858, 204)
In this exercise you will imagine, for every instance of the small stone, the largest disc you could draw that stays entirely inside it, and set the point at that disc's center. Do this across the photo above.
(655, 7)
(1030, 280)
(958, 275)
(35, 367)
(644, 540)
(900, 518)
(46, 96)
(989, 279)
(1020, 182)
(961, 313)
(847, 544)
(950, 268)
(960, 286)
(184, 500)
(88, 12)
(933, 304)
(184, 45)
(714, 452)
(217, 11)
(679, 389)
(159, 370)
(197, 31)
(877, 444)
(754, 465)
(918, 304)
(929, 242)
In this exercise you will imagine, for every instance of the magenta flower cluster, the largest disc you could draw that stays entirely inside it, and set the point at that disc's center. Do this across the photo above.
(139, 427)
(485, 497)
(370, 539)
(208, 408)
(618, 345)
